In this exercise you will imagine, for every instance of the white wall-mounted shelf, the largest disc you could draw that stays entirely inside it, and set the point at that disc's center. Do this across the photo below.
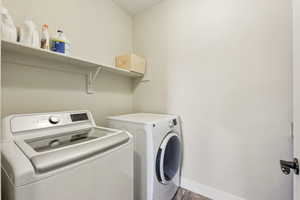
(13, 52)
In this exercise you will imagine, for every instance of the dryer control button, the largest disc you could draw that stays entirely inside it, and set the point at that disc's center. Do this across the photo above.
(171, 124)
(54, 120)
(175, 122)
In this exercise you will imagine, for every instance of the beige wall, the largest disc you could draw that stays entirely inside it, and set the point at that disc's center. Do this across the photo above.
(98, 30)
(225, 67)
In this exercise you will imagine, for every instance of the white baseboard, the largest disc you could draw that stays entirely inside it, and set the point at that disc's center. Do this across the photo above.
(207, 191)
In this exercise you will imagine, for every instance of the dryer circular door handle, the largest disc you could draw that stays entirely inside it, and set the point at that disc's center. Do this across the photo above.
(163, 146)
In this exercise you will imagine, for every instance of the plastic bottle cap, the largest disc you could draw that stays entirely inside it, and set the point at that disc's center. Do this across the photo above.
(45, 25)
(59, 31)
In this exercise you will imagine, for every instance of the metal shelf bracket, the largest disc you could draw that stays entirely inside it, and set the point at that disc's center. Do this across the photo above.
(90, 80)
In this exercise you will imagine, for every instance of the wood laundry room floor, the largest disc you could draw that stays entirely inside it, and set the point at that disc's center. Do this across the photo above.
(183, 194)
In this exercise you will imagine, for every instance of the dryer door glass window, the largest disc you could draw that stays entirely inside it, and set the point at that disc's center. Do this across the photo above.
(168, 158)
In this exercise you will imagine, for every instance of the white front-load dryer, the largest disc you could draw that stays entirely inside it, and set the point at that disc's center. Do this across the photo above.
(158, 153)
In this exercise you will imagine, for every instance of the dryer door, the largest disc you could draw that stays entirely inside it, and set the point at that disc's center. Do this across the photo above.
(168, 158)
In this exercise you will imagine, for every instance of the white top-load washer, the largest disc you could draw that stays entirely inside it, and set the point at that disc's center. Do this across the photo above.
(65, 156)
(158, 153)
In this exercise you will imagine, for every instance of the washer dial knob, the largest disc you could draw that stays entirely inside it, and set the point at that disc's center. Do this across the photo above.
(54, 120)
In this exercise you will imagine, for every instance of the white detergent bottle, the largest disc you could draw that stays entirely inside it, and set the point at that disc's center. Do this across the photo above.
(29, 35)
(8, 29)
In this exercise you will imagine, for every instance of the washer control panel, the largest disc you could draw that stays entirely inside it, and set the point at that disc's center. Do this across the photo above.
(20, 123)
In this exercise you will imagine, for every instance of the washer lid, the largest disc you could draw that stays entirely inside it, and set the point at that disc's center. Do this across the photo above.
(50, 161)
(51, 152)
(144, 118)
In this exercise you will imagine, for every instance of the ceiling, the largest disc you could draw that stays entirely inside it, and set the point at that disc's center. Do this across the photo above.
(135, 6)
